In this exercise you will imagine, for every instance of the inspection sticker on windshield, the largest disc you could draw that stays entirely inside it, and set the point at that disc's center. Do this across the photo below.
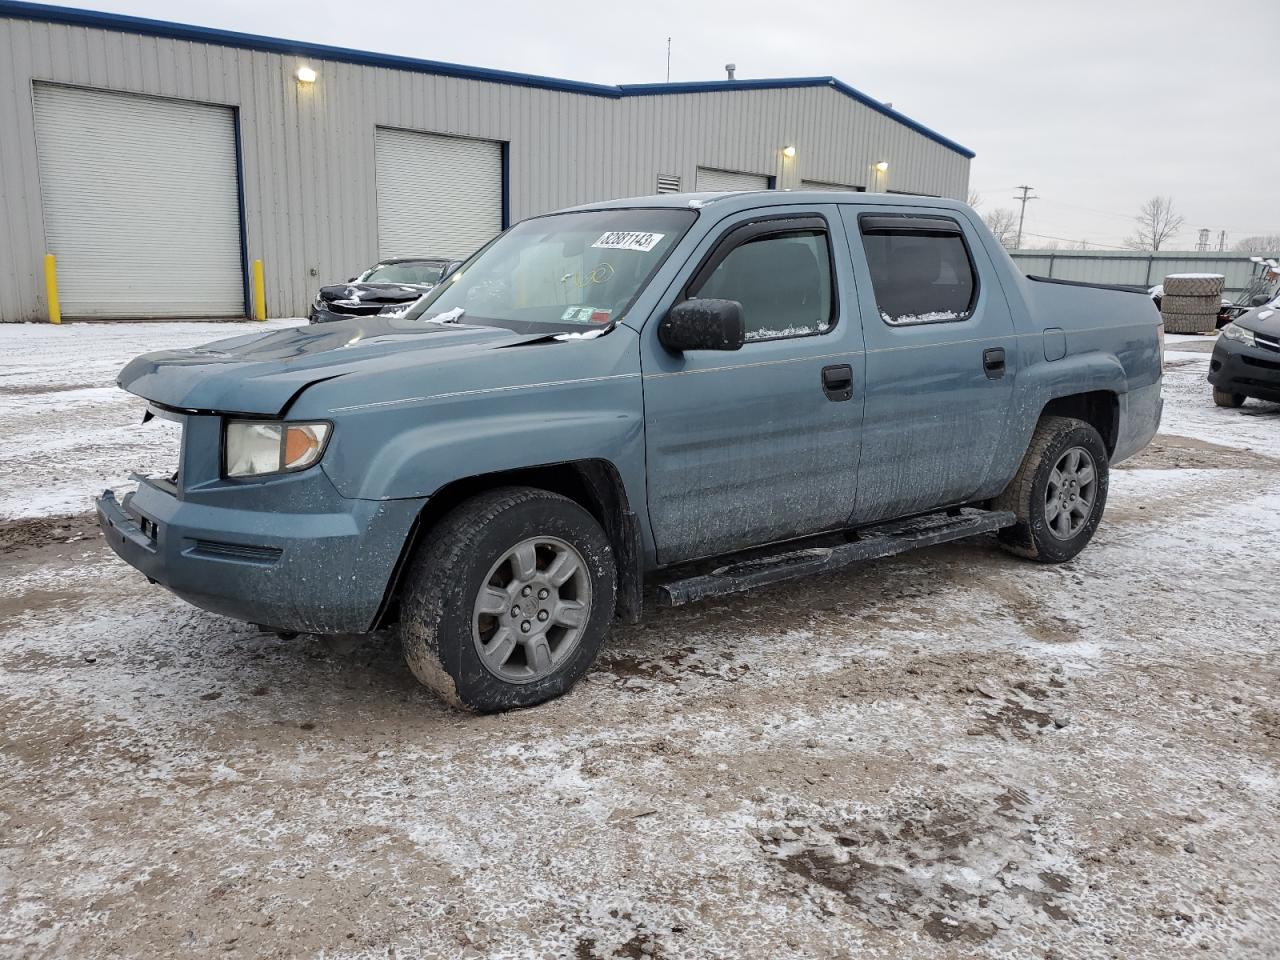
(629, 240)
(585, 315)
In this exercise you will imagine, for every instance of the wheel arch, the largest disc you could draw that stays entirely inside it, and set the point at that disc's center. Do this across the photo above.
(595, 485)
(1098, 408)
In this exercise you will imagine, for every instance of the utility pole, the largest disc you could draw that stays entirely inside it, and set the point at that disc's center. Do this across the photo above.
(1023, 213)
(668, 59)
(1222, 240)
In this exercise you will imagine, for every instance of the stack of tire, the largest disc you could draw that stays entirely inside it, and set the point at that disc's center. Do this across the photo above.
(1191, 302)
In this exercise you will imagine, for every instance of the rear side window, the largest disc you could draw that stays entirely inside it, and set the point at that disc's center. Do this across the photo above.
(783, 282)
(919, 275)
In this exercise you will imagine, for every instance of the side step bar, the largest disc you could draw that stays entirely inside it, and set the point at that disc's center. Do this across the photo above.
(872, 543)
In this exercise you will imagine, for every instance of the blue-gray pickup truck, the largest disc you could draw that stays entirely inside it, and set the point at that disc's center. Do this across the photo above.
(641, 401)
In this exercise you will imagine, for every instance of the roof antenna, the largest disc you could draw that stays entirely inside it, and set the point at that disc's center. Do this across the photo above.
(729, 68)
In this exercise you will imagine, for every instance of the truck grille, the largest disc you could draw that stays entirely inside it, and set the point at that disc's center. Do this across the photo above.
(243, 552)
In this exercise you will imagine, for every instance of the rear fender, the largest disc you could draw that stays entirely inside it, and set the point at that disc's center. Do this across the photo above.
(1040, 384)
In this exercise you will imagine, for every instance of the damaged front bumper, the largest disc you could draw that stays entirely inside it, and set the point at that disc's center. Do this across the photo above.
(325, 570)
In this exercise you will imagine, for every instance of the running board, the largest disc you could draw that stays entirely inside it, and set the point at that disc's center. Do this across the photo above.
(883, 540)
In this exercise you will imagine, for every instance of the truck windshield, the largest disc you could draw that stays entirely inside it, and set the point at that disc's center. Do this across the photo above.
(566, 272)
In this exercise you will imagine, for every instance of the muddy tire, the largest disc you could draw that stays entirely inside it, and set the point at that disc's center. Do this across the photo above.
(508, 600)
(1188, 322)
(1196, 306)
(1059, 492)
(1225, 398)
(1193, 285)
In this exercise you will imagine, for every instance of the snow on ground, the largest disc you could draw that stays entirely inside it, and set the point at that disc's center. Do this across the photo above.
(949, 754)
(66, 431)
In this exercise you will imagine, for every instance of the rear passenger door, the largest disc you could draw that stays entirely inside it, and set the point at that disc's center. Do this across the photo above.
(939, 364)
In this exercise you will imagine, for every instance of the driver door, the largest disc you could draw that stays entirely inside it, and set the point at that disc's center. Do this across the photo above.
(761, 444)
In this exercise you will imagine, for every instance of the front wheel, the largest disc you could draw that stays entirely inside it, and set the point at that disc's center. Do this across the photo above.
(1225, 398)
(1059, 492)
(508, 601)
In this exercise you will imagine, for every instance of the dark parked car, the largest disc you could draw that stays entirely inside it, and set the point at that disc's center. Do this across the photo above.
(1246, 359)
(387, 287)
(764, 385)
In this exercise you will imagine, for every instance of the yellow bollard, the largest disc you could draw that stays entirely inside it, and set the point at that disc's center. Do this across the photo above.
(259, 293)
(51, 288)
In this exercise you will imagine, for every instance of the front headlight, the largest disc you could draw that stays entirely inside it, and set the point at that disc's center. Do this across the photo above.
(1233, 331)
(256, 447)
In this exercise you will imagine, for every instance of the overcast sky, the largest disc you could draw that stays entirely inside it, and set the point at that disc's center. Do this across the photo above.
(1096, 105)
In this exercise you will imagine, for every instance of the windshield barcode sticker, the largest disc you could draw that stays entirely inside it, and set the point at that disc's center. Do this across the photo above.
(629, 240)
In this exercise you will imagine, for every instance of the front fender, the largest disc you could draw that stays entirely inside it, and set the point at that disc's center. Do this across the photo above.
(419, 450)
(408, 433)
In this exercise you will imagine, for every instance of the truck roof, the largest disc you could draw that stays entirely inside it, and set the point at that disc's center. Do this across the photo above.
(746, 199)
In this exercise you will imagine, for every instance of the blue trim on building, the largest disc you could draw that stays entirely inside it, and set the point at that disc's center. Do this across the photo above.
(506, 184)
(20, 10)
(244, 227)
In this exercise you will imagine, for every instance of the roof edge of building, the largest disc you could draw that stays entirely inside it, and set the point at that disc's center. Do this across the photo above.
(785, 83)
(75, 16)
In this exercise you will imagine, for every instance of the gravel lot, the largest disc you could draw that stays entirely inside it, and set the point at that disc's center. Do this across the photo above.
(949, 754)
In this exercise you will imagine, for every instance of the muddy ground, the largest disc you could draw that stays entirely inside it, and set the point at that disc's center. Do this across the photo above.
(951, 754)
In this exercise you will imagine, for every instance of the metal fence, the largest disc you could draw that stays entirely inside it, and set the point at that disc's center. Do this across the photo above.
(1136, 268)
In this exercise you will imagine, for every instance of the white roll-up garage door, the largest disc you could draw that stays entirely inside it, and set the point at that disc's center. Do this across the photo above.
(437, 196)
(710, 179)
(141, 204)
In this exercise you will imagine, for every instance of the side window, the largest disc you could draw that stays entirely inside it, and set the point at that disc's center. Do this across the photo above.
(919, 276)
(782, 280)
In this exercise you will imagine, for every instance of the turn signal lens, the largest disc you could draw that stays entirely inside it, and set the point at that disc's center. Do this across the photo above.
(257, 447)
(302, 444)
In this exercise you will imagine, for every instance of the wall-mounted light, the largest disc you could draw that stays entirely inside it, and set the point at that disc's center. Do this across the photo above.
(305, 75)
(882, 166)
(789, 151)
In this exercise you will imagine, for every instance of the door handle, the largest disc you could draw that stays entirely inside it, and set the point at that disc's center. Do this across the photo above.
(837, 381)
(993, 362)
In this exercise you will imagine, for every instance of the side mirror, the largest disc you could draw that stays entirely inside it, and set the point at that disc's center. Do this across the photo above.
(703, 325)
(351, 280)
(1259, 300)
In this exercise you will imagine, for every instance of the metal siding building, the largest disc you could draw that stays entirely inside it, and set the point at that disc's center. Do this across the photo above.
(1135, 268)
(306, 159)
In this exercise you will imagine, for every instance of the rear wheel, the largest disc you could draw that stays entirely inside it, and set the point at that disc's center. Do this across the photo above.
(1059, 492)
(508, 601)
(1225, 398)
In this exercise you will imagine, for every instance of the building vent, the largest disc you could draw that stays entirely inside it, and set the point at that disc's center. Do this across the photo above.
(668, 183)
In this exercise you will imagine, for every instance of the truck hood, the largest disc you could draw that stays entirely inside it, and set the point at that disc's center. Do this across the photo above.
(360, 294)
(262, 373)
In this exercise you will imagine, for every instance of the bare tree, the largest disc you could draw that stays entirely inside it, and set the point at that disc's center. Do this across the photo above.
(975, 199)
(1156, 223)
(1266, 243)
(1003, 222)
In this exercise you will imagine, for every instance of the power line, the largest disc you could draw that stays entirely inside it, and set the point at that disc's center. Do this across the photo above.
(1091, 243)
(1076, 206)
